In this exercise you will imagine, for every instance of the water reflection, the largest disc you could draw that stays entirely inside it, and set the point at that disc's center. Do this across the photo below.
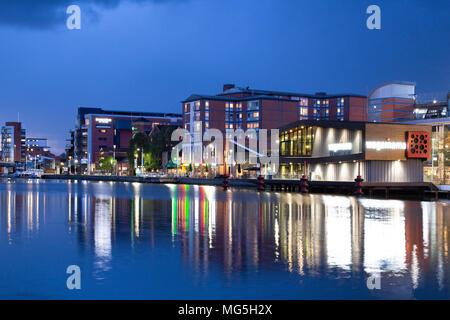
(242, 231)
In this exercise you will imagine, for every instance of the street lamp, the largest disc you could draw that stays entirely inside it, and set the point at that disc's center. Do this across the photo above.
(135, 159)
(114, 156)
(142, 158)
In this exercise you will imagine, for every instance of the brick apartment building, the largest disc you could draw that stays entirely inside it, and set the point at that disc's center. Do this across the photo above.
(247, 108)
(100, 133)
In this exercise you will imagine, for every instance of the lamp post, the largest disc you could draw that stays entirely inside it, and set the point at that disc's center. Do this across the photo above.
(135, 160)
(114, 157)
(142, 158)
(38, 156)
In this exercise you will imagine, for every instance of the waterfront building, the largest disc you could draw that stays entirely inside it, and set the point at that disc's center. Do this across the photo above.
(431, 109)
(13, 142)
(247, 108)
(36, 145)
(70, 154)
(38, 155)
(391, 102)
(100, 133)
(338, 151)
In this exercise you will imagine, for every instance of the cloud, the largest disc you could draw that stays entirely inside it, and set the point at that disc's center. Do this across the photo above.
(44, 14)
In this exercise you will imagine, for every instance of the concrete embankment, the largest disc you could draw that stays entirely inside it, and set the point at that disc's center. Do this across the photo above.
(175, 180)
(419, 190)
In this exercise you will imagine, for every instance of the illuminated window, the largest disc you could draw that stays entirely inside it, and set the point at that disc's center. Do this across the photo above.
(253, 106)
(340, 113)
(303, 112)
(296, 142)
(316, 110)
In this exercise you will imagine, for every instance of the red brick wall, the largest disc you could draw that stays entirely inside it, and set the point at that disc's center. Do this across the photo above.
(357, 108)
(277, 113)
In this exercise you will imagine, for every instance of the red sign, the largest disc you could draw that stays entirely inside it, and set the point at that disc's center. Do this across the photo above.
(418, 145)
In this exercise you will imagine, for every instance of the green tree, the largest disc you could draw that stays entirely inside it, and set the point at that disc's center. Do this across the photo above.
(139, 141)
(160, 141)
(107, 164)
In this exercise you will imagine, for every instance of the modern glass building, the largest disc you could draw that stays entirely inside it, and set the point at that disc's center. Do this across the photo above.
(338, 151)
(13, 138)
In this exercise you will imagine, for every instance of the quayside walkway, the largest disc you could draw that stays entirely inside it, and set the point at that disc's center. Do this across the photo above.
(418, 190)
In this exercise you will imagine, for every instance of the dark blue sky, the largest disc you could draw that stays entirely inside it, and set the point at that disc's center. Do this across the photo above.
(148, 55)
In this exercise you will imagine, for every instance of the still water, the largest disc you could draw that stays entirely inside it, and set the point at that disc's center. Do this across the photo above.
(136, 241)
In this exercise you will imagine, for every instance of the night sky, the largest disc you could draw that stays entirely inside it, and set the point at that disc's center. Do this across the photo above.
(149, 55)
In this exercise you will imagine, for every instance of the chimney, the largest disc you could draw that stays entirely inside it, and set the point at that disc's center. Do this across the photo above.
(228, 87)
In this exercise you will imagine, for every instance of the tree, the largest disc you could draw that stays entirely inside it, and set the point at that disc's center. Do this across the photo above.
(160, 141)
(107, 164)
(139, 141)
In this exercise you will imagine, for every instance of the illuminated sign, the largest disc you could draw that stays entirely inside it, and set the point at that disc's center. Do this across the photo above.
(335, 147)
(103, 120)
(385, 145)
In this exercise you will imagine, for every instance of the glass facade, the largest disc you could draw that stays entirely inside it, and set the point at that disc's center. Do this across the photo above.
(206, 114)
(239, 115)
(325, 109)
(253, 115)
(303, 109)
(297, 142)
(437, 170)
(229, 110)
(340, 109)
(316, 110)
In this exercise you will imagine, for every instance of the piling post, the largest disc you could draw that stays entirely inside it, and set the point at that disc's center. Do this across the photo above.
(225, 180)
(359, 181)
(261, 186)
(304, 180)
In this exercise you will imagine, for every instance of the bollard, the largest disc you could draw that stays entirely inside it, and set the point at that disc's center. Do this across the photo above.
(304, 187)
(359, 181)
(225, 182)
(261, 186)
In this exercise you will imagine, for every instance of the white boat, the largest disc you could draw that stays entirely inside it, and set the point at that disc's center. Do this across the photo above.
(31, 173)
